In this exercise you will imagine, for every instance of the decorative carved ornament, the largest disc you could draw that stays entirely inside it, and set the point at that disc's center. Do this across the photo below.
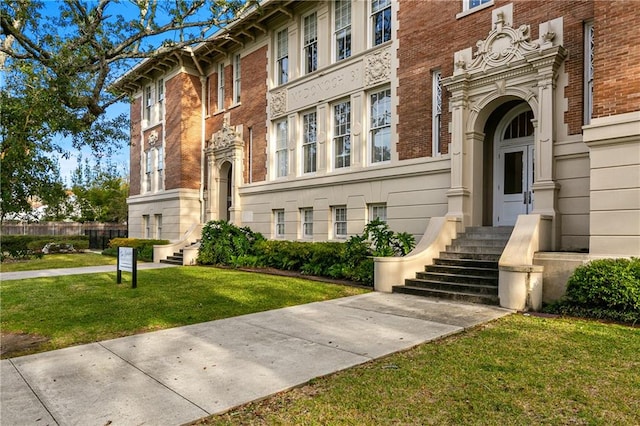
(377, 67)
(278, 103)
(153, 137)
(503, 45)
(225, 137)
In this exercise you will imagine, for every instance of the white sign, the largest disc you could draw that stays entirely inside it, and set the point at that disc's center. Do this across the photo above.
(125, 259)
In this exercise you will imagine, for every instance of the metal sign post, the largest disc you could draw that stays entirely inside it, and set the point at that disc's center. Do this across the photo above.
(127, 262)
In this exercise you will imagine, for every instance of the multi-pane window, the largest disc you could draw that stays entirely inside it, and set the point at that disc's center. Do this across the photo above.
(378, 211)
(342, 134)
(220, 87)
(588, 71)
(236, 79)
(340, 222)
(381, 126)
(148, 102)
(146, 226)
(307, 222)
(160, 168)
(282, 59)
(148, 169)
(470, 4)
(311, 43)
(436, 111)
(278, 219)
(282, 155)
(381, 21)
(343, 29)
(158, 219)
(309, 139)
(160, 98)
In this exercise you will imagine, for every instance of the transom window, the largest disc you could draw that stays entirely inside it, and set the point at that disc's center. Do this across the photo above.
(343, 29)
(309, 139)
(520, 127)
(381, 126)
(381, 21)
(311, 43)
(282, 158)
(282, 60)
(342, 134)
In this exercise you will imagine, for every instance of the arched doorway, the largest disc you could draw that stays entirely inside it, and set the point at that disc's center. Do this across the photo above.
(225, 188)
(513, 178)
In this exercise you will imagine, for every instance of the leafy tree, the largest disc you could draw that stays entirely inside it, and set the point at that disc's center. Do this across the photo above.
(59, 62)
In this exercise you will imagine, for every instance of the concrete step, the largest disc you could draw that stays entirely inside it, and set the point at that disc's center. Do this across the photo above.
(463, 278)
(494, 257)
(488, 271)
(469, 287)
(465, 263)
(172, 261)
(449, 295)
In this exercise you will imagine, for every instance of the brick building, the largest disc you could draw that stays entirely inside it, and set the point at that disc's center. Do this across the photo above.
(305, 119)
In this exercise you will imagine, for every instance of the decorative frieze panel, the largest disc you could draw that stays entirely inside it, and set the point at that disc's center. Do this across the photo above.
(278, 103)
(377, 67)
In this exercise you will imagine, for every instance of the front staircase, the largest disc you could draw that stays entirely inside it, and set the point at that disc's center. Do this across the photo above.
(178, 257)
(467, 271)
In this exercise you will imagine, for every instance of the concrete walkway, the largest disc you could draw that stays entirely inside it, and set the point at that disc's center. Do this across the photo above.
(21, 275)
(182, 374)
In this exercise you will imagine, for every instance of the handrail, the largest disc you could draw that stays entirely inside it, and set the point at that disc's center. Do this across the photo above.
(161, 252)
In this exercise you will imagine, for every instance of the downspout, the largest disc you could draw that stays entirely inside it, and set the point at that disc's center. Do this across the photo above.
(203, 135)
(250, 154)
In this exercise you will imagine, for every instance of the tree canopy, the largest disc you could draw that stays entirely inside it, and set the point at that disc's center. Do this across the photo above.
(59, 62)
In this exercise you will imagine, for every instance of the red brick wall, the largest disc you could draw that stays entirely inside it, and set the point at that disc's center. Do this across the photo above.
(617, 57)
(426, 44)
(134, 149)
(251, 113)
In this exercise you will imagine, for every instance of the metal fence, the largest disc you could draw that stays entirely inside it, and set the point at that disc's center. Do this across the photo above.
(99, 233)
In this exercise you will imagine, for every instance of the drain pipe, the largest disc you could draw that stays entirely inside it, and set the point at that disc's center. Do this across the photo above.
(250, 154)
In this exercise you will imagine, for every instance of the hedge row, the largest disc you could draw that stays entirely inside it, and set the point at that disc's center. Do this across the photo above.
(26, 246)
(144, 247)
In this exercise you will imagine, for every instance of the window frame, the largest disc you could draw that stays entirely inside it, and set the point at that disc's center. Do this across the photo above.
(340, 220)
(159, 168)
(148, 102)
(278, 223)
(339, 136)
(373, 215)
(306, 222)
(281, 148)
(146, 225)
(221, 87)
(160, 98)
(158, 226)
(309, 143)
(342, 30)
(385, 7)
(148, 169)
(237, 75)
(310, 44)
(375, 129)
(589, 48)
(467, 6)
(282, 57)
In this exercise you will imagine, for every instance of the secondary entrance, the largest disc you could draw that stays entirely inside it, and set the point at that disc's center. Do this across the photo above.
(513, 166)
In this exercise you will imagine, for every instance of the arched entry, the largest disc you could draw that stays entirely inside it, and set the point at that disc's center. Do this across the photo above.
(225, 188)
(513, 176)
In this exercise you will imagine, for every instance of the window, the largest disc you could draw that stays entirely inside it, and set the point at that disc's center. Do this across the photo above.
(342, 134)
(381, 21)
(148, 103)
(310, 43)
(381, 126)
(282, 154)
(146, 230)
(436, 111)
(343, 29)
(309, 138)
(236, 79)
(160, 98)
(471, 4)
(148, 156)
(278, 217)
(282, 59)
(158, 219)
(588, 71)
(307, 222)
(340, 222)
(160, 168)
(378, 211)
(220, 87)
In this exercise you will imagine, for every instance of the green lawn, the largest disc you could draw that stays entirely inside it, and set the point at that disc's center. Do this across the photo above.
(75, 309)
(55, 261)
(519, 370)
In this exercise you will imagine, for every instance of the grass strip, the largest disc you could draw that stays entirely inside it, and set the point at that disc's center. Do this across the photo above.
(74, 309)
(56, 261)
(519, 370)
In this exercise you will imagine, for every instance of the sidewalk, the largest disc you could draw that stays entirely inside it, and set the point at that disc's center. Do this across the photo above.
(179, 375)
(21, 275)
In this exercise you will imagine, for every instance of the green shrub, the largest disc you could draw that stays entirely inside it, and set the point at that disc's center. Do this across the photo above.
(223, 243)
(603, 289)
(144, 247)
(26, 246)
